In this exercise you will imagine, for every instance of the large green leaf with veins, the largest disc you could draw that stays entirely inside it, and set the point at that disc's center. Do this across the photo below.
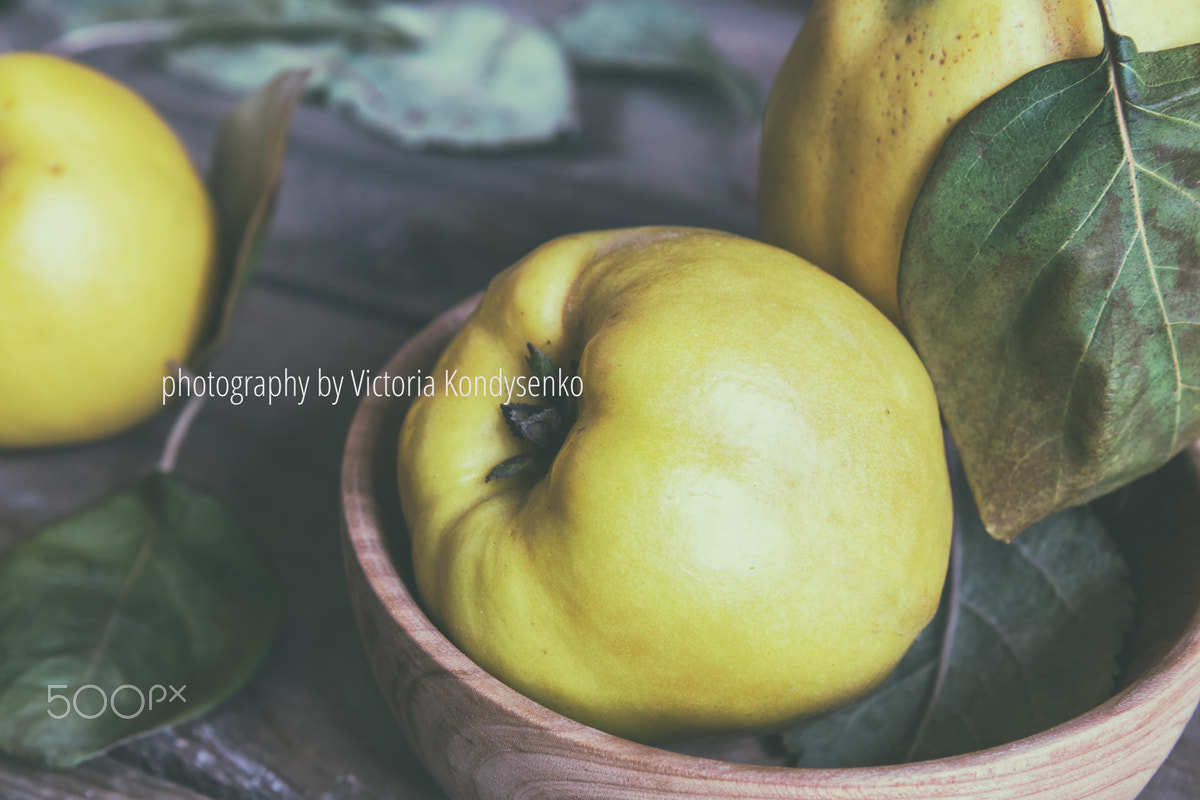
(1050, 280)
(144, 610)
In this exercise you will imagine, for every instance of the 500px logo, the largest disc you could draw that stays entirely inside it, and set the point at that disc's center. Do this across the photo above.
(126, 701)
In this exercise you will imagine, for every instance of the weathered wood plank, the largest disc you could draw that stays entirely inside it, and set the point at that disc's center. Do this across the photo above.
(310, 724)
(410, 233)
(370, 240)
(103, 779)
(1179, 777)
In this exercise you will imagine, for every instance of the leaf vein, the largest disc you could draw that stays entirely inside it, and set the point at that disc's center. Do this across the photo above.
(1170, 117)
(1041, 170)
(1043, 101)
(1169, 184)
(1001, 636)
(1127, 144)
(135, 572)
(1045, 575)
(1087, 347)
(964, 274)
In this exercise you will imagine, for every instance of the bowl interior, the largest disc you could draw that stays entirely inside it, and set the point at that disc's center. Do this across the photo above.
(1156, 521)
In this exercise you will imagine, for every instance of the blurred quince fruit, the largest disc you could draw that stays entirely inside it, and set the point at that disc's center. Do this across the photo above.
(742, 512)
(107, 243)
(871, 88)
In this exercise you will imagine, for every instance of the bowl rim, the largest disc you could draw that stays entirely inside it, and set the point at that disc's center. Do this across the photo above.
(1178, 668)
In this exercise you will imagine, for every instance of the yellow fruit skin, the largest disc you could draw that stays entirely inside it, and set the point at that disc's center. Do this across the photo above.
(869, 91)
(106, 253)
(749, 521)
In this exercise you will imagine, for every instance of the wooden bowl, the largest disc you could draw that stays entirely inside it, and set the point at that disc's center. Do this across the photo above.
(480, 739)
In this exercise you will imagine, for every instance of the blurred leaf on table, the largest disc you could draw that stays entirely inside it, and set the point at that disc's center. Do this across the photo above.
(105, 614)
(655, 37)
(459, 76)
(244, 182)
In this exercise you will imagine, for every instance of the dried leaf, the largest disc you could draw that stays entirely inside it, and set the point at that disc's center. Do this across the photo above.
(74, 15)
(1050, 280)
(244, 180)
(145, 610)
(541, 426)
(1036, 626)
(464, 76)
(244, 67)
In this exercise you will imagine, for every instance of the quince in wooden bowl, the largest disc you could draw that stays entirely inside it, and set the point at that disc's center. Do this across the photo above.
(479, 738)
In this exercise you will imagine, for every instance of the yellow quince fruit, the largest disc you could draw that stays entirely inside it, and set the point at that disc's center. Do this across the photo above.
(871, 88)
(739, 511)
(107, 242)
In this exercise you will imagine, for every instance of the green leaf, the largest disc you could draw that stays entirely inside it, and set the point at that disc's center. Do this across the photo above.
(1027, 637)
(655, 36)
(539, 363)
(1050, 280)
(244, 181)
(158, 586)
(520, 464)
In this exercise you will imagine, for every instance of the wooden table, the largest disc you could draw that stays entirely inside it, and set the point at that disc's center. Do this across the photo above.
(369, 243)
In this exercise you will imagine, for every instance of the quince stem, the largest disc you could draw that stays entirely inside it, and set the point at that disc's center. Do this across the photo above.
(1106, 15)
(180, 428)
